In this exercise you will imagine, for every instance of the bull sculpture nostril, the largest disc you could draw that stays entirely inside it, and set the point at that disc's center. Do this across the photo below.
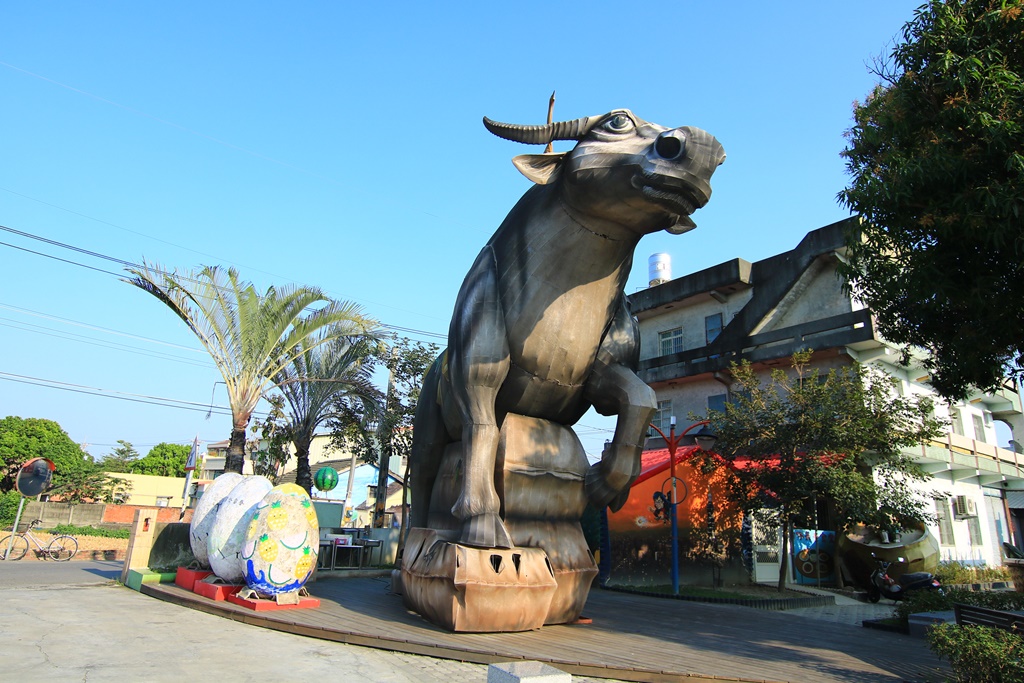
(670, 145)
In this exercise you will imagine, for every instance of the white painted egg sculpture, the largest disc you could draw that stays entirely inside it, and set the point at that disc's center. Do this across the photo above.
(282, 542)
(230, 524)
(206, 510)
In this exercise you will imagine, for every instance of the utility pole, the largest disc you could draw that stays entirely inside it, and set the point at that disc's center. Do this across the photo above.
(380, 504)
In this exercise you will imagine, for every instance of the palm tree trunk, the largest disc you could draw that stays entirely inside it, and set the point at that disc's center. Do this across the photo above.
(236, 451)
(303, 475)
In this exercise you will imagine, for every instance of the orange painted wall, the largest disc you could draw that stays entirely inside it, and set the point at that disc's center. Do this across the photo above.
(640, 531)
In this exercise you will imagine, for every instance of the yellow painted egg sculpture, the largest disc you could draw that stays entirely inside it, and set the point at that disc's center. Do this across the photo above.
(282, 542)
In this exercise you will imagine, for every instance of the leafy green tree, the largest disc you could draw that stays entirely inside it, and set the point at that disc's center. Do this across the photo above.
(378, 436)
(325, 380)
(838, 436)
(9, 503)
(124, 458)
(936, 156)
(89, 486)
(22, 439)
(164, 460)
(251, 337)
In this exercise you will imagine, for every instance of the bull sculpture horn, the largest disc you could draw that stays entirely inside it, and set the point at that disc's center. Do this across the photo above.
(542, 135)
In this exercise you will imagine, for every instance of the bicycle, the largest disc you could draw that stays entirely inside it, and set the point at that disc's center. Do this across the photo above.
(61, 549)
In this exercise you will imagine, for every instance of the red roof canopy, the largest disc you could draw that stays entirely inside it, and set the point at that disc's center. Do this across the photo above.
(656, 460)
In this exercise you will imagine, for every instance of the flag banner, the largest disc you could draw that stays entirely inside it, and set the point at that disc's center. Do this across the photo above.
(193, 456)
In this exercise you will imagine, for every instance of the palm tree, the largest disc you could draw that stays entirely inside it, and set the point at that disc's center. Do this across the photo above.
(251, 337)
(318, 384)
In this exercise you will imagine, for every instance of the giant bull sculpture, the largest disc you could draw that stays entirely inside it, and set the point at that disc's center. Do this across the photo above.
(541, 325)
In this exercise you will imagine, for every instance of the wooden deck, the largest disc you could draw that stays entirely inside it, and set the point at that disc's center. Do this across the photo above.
(631, 638)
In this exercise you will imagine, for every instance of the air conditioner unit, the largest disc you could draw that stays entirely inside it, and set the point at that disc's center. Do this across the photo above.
(965, 507)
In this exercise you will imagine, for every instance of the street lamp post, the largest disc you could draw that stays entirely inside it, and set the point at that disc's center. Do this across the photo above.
(705, 440)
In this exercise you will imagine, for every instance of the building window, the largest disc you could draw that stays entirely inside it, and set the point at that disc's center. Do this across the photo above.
(663, 418)
(670, 341)
(163, 501)
(712, 327)
(942, 515)
(974, 531)
(717, 402)
(957, 422)
(979, 427)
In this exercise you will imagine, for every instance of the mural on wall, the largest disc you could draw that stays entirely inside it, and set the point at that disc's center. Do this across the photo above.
(814, 557)
(710, 527)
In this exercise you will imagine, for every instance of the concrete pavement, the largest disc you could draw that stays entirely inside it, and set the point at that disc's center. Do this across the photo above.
(65, 622)
(847, 610)
(112, 634)
(72, 622)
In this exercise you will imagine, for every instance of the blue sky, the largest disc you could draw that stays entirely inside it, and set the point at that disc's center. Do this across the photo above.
(339, 145)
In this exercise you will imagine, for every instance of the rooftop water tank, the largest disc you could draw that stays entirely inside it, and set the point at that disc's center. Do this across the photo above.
(659, 269)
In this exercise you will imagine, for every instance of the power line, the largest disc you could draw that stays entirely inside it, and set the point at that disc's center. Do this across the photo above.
(107, 330)
(179, 246)
(119, 395)
(121, 227)
(57, 258)
(131, 264)
(49, 332)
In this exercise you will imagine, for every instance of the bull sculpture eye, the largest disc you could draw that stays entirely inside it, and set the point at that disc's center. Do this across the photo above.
(619, 123)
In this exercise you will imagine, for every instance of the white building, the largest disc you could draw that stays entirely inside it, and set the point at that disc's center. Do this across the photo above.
(693, 327)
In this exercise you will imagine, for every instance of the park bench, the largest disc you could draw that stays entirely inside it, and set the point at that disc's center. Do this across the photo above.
(993, 618)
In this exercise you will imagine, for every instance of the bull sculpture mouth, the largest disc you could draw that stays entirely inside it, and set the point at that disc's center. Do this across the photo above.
(678, 199)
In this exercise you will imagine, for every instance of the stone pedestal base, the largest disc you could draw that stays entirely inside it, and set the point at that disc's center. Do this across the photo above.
(540, 467)
(475, 589)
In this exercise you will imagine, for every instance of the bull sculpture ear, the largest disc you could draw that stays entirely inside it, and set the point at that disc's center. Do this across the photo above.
(540, 168)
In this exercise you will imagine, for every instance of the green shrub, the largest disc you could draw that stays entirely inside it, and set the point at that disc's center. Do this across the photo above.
(954, 572)
(8, 508)
(73, 530)
(936, 601)
(979, 654)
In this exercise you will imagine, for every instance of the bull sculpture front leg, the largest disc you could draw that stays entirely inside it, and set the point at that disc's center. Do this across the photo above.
(614, 389)
(478, 361)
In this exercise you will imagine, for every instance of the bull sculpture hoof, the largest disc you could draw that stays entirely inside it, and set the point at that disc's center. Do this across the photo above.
(485, 531)
(607, 481)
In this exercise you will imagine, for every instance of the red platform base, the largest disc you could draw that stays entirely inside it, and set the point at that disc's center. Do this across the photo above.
(186, 578)
(261, 605)
(216, 591)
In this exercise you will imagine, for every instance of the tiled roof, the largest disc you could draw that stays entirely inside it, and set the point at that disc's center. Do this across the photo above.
(340, 465)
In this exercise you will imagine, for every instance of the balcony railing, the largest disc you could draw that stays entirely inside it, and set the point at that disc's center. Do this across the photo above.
(988, 462)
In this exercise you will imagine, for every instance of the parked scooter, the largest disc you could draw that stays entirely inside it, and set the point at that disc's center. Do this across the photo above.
(883, 585)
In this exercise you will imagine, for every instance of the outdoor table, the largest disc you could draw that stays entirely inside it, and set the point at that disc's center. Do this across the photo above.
(325, 557)
(357, 550)
(370, 544)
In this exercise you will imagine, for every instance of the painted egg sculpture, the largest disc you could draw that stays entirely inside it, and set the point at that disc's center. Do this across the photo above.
(229, 526)
(206, 511)
(282, 542)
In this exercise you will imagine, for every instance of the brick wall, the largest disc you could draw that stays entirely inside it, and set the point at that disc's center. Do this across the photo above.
(92, 514)
(124, 514)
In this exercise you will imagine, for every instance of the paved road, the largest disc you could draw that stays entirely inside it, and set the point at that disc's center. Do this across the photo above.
(41, 574)
(72, 622)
